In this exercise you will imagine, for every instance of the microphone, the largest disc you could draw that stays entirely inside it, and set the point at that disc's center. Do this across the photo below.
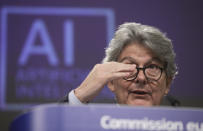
(173, 101)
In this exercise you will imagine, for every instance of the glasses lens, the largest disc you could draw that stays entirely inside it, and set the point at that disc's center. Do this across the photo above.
(131, 76)
(153, 72)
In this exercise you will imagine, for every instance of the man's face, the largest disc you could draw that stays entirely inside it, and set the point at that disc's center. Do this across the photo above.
(139, 91)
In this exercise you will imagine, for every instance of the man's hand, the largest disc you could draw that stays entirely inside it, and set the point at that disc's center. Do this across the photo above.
(99, 76)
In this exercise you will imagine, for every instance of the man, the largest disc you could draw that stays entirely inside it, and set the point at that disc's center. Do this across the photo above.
(138, 68)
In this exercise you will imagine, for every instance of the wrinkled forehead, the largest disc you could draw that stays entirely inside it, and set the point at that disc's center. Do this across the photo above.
(133, 60)
(138, 54)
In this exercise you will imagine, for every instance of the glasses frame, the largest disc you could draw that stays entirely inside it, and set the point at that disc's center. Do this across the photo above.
(143, 69)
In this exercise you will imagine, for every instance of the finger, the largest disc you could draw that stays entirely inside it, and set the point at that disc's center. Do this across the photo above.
(121, 67)
(120, 75)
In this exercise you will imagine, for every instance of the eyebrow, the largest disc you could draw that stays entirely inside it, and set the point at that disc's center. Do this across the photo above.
(156, 59)
(127, 58)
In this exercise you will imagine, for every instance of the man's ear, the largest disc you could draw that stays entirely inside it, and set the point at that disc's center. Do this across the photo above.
(168, 85)
(111, 86)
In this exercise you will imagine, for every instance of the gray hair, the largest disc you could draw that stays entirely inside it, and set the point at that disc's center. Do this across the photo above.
(148, 36)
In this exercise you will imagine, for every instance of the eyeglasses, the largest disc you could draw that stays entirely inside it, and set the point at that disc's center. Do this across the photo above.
(151, 72)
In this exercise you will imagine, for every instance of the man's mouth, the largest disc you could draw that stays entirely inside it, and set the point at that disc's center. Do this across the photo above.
(140, 92)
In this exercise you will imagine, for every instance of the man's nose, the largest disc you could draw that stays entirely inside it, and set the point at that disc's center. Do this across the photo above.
(141, 77)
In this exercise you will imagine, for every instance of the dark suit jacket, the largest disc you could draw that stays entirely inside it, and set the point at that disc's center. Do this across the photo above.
(64, 99)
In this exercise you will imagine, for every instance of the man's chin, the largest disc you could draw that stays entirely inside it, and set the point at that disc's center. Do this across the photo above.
(140, 102)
